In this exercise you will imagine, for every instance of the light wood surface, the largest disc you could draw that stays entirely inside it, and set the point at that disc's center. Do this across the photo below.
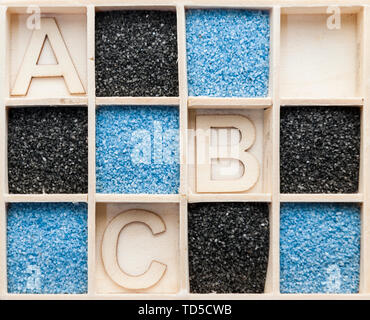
(68, 41)
(109, 250)
(316, 61)
(32, 68)
(137, 247)
(336, 84)
(141, 101)
(219, 150)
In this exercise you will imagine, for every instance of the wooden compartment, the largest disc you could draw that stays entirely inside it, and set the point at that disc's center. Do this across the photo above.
(260, 149)
(52, 152)
(137, 247)
(321, 53)
(67, 36)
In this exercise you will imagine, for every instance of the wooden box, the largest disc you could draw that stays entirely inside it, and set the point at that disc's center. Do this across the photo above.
(330, 70)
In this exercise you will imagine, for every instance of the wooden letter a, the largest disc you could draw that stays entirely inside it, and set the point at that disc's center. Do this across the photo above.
(64, 67)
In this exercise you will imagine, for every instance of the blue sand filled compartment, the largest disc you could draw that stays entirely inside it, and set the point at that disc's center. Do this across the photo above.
(228, 52)
(47, 248)
(319, 248)
(137, 149)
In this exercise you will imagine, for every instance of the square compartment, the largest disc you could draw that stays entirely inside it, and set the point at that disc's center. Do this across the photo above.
(72, 26)
(137, 247)
(320, 149)
(47, 149)
(228, 247)
(261, 149)
(318, 60)
(137, 149)
(228, 52)
(320, 248)
(47, 248)
(136, 52)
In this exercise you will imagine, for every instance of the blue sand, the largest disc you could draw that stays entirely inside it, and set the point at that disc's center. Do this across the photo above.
(228, 52)
(47, 248)
(137, 149)
(319, 248)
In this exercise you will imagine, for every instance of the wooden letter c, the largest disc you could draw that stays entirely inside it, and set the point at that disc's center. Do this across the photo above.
(156, 270)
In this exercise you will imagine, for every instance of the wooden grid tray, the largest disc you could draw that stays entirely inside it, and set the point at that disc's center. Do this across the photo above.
(277, 98)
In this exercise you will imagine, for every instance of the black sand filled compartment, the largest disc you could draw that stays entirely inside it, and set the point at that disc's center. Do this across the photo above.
(228, 247)
(136, 53)
(47, 150)
(320, 149)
